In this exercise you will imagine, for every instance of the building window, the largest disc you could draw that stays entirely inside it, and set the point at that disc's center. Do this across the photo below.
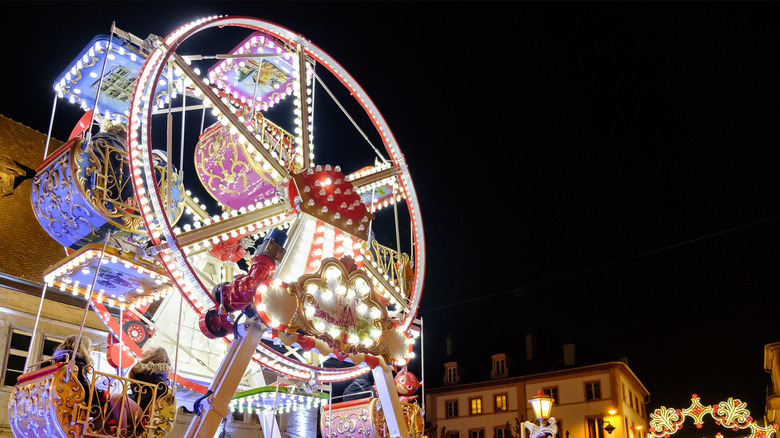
(452, 375)
(18, 345)
(552, 392)
(595, 428)
(452, 434)
(477, 433)
(452, 409)
(593, 390)
(559, 433)
(48, 347)
(501, 432)
(476, 405)
(499, 403)
(500, 367)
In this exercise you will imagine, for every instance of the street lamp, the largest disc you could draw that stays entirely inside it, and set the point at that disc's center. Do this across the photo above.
(607, 425)
(542, 404)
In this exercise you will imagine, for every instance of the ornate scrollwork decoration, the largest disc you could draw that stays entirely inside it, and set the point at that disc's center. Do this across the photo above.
(232, 171)
(59, 207)
(46, 406)
(103, 173)
(339, 298)
(395, 266)
(349, 422)
(732, 413)
(665, 421)
(164, 416)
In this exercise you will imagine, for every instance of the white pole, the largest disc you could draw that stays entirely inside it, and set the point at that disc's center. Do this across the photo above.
(51, 123)
(121, 347)
(422, 362)
(178, 336)
(35, 327)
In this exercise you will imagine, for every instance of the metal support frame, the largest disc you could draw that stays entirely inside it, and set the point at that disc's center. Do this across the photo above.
(304, 97)
(216, 407)
(391, 404)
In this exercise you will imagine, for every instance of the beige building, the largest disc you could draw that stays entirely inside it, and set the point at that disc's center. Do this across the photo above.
(589, 402)
(772, 366)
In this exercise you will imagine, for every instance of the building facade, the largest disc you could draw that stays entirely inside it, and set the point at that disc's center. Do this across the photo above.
(605, 400)
(772, 366)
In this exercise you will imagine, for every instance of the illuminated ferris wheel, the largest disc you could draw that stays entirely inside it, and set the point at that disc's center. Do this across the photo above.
(265, 178)
(205, 214)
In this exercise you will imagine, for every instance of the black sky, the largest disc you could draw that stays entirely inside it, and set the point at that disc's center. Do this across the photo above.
(606, 170)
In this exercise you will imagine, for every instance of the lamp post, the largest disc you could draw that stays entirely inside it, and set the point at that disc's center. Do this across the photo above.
(607, 425)
(542, 404)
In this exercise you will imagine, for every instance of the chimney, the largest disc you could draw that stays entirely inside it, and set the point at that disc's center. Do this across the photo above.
(568, 354)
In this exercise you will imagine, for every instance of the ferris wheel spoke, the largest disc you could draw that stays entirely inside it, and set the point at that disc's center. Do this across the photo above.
(227, 113)
(346, 113)
(254, 221)
(361, 182)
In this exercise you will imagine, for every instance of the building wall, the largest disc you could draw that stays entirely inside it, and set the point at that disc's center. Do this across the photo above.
(572, 410)
(772, 366)
(489, 418)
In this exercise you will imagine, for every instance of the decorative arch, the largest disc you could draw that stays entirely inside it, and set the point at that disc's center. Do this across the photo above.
(732, 413)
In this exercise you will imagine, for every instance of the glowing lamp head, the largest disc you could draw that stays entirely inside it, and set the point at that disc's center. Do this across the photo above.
(542, 404)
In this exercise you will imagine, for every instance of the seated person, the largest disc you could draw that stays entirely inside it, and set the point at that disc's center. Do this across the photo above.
(359, 388)
(82, 360)
(129, 411)
(153, 368)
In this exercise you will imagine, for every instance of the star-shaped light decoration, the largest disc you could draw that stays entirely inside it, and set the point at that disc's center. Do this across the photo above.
(696, 410)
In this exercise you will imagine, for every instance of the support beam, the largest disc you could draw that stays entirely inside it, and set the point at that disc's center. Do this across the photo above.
(215, 229)
(304, 97)
(391, 405)
(217, 406)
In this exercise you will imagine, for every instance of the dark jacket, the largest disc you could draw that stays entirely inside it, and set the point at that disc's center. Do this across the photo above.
(99, 396)
(153, 373)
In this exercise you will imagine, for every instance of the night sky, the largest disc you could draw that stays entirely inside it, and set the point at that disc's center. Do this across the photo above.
(598, 173)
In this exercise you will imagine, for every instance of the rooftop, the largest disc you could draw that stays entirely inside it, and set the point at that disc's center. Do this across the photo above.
(26, 250)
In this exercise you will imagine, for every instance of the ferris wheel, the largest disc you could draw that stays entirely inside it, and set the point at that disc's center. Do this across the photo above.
(265, 178)
(208, 209)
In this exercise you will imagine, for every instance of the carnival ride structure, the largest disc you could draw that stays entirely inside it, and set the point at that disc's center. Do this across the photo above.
(197, 219)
